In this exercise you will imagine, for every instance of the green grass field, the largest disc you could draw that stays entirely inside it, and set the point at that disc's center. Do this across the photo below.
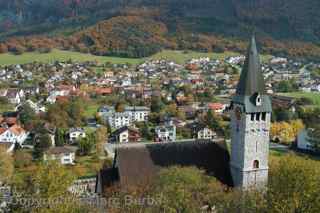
(6, 107)
(314, 96)
(91, 110)
(60, 55)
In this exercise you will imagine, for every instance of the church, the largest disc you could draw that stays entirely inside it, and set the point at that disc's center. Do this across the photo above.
(247, 164)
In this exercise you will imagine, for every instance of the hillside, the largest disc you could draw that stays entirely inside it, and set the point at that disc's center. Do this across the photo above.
(135, 28)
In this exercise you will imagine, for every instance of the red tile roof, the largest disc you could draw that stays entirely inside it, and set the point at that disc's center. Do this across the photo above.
(62, 98)
(17, 130)
(2, 130)
(215, 106)
(107, 90)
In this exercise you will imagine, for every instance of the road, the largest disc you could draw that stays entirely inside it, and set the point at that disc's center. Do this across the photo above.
(279, 147)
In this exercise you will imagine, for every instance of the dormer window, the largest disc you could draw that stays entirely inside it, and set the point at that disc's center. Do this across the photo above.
(258, 100)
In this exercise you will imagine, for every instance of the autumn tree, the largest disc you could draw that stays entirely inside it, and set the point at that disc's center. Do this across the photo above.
(120, 107)
(101, 138)
(286, 132)
(156, 103)
(27, 116)
(57, 116)
(59, 137)
(22, 159)
(87, 144)
(293, 185)
(66, 114)
(42, 141)
(6, 166)
(75, 110)
(145, 131)
(52, 180)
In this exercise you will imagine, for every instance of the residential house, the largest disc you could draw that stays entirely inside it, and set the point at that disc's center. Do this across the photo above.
(15, 96)
(201, 131)
(119, 119)
(64, 155)
(13, 134)
(35, 106)
(61, 90)
(104, 91)
(126, 118)
(304, 141)
(217, 107)
(76, 134)
(166, 132)
(138, 113)
(125, 135)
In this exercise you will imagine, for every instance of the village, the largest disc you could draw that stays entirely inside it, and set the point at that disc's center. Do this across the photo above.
(78, 113)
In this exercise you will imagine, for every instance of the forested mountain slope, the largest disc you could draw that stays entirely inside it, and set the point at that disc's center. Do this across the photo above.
(115, 26)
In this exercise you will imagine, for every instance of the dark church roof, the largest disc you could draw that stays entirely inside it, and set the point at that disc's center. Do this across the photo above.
(251, 79)
(137, 164)
(252, 83)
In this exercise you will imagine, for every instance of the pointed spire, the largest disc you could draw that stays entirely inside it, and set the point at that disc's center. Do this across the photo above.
(251, 79)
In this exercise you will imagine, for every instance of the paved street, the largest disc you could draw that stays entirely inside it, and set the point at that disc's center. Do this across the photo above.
(279, 147)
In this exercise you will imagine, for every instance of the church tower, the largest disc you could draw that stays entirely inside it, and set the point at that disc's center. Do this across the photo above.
(250, 124)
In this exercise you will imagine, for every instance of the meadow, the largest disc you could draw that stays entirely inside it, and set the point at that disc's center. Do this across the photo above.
(61, 55)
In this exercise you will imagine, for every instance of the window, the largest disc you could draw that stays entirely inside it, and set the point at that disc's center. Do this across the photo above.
(256, 164)
(258, 116)
(264, 116)
(252, 116)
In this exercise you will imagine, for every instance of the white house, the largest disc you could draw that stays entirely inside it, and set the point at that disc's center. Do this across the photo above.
(125, 135)
(14, 134)
(166, 132)
(54, 94)
(14, 95)
(201, 131)
(35, 106)
(120, 135)
(138, 113)
(126, 118)
(206, 133)
(64, 155)
(303, 141)
(119, 119)
(76, 134)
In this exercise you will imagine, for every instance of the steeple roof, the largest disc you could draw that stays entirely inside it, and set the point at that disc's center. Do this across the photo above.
(251, 79)
(252, 83)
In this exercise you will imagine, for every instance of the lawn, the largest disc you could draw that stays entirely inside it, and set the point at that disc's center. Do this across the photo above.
(91, 109)
(314, 96)
(6, 107)
(87, 166)
(61, 55)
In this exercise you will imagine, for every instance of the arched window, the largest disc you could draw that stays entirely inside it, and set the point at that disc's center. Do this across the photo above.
(256, 164)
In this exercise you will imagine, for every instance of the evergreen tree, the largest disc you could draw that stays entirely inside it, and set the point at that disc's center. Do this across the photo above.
(156, 103)
(60, 137)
